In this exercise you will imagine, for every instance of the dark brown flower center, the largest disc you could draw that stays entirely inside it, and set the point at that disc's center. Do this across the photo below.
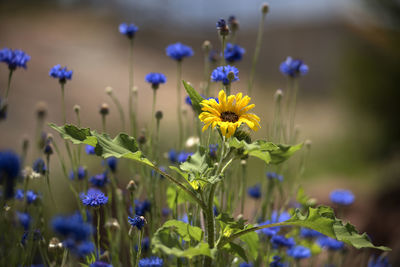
(229, 116)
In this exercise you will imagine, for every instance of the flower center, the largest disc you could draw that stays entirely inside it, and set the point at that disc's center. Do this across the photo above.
(229, 116)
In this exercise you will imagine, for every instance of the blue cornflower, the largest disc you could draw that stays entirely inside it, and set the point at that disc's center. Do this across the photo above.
(62, 74)
(188, 100)
(342, 197)
(222, 27)
(274, 175)
(19, 194)
(165, 212)
(215, 98)
(299, 252)
(24, 219)
(154, 173)
(141, 207)
(72, 227)
(281, 241)
(81, 173)
(9, 169)
(215, 211)
(172, 155)
(100, 264)
(220, 74)
(233, 52)
(90, 150)
(179, 51)
(379, 262)
(94, 198)
(330, 243)
(275, 218)
(254, 191)
(183, 156)
(14, 58)
(99, 180)
(213, 150)
(246, 264)
(137, 221)
(39, 166)
(309, 233)
(151, 262)
(293, 67)
(85, 248)
(112, 163)
(145, 244)
(184, 218)
(276, 262)
(128, 29)
(155, 79)
(31, 196)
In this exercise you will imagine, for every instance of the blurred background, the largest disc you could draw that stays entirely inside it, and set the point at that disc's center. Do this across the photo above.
(348, 103)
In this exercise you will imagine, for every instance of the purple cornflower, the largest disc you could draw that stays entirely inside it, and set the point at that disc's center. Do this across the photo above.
(9, 170)
(220, 74)
(274, 175)
(24, 219)
(141, 207)
(31, 196)
(137, 221)
(128, 29)
(179, 51)
(94, 198)
(222, 27)
(281, 241)
(112, 163)
(39, 166)
(81, 173)
(72, 227)
(293, 67)
(14, 58)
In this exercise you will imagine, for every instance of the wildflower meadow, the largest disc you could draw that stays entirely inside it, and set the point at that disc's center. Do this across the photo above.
(193, 204)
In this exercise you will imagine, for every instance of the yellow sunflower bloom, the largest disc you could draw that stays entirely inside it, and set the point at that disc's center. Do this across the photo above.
(229, 113)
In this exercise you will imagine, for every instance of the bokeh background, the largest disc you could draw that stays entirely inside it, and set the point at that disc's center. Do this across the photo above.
(348, 103)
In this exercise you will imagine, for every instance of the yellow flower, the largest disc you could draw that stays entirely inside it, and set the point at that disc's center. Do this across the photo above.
(228, 114)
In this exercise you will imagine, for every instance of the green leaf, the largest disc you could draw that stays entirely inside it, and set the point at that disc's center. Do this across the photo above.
(168, 239)
(235, 248)
(183, 197)
(195, 97)
(252, 241)
(122, 146)
(199, 162)
(284, 152)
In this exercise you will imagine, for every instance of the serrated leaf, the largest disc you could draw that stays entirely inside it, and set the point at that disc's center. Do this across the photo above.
(284, 152)
(122, 146)
(195, 97)
(199, 162)
(186, 231)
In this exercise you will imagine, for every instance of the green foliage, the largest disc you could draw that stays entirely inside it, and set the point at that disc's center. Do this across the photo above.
(266, 151)
(175, 195)
(122, 146)
(195, 97)
(252, 242)
(169, 239)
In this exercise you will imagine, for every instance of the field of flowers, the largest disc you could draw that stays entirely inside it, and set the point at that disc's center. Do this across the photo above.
(184, 206)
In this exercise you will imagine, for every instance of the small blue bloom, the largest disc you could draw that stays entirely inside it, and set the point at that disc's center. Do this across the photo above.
(330, 243)
(100, 264)
(179, 51)
(183, 156)
(62, 74)
(128, 29)
(31, 196)
(137, 221)
(276, 262)
(90, 150)
(72, 227)
(245, 264)
(213, 150)
(14, 58)
(309, 233)
(222, 27)
(274, 175)
(165, 212)
(293, 67)
(9, 169)
(112, 163)
(141, 207)
(85, 248)
(215, 98)
(82, 172)
(215, 210)
(188, 100)
(19, 194)
(151, 262)
(94, 198)
(275, 218)
(145, 244)
(299, 252)
(342, 197)
(24, 219)
(99, 180)
(155, 79)
(254, 191)
(379, 262)
(233, 53)
(220, 74)
(172, 156)
(154, 173)
(39, 166)
(184, 218)
(281, 241)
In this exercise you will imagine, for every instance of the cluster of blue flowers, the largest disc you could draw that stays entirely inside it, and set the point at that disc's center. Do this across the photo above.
(151, 262)
(14, 58)
(274, 176)
(80, 173)
(220, 74)
(30, 195)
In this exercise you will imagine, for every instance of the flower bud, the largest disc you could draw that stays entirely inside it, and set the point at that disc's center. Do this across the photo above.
(77, 108)
(243, 162)
(159, 115)
(206, 46)
(231, 76)
(109, 90)
(308, 143)
(104, 109)
(233, 23)
(41, 110)
(265, 8)
(222, 27)
(131, 186)
(55, 245)
(135, 89)
(278, 95)
(48, 149)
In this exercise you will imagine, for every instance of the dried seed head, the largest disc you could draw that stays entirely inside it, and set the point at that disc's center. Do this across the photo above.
(308, 143)
(41, 110)
(77, 108)
(206, 46)
(131, 186)
(159, 115)
(104, 109)
(265, 8)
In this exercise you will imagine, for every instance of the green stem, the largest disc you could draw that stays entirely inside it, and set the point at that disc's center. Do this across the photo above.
(256, 53)
(293, 111)
(103, 123)
(64, 258)
(9, 83)
(120, 110)
(48, 180)
(179, 105)
(223, 50)
(63, 103)
(131, 113)
(243, 189)
(139, 247)
(98, 232)
(153, 111)
(210, 223)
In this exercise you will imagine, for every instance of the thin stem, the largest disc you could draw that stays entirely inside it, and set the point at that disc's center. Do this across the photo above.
(120, 110)
(256, 53)
(139, 247)
(64, 258)
(63, 102)
(103, 123)
(98, 232)
(131, 113)
(223, 50)
(293, 113)
(153, 111)
(210, 223)
(243, 188)
(48, 180)
(9, 82)
(179, 98)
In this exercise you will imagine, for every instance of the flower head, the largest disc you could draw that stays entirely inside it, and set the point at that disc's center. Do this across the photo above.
(94, 198)
(80, 173)
(183, 156)
(309, 233)
(254, 191)
(222, 27)
(9, 170)
(137, 221)
(299, 252)
(99, 180)
(151, 262)
(379, 262)
(330, 243)
(342, 197)
(155, 79)
(220, 74)
(24, 219)
(228, 114)
(84, 248)
(233, 52)
(293, 67)
(19, 194)
(179, 51)
(100, 264)
(275, 218)
(112, 163)
(39, 166)
(141, 207)
(31, 196)
(128, 29)
(90, 150)
(62, 74)
(14, 58)
(72, 227)
(281, 241)
(274, 175)
(276, 262)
